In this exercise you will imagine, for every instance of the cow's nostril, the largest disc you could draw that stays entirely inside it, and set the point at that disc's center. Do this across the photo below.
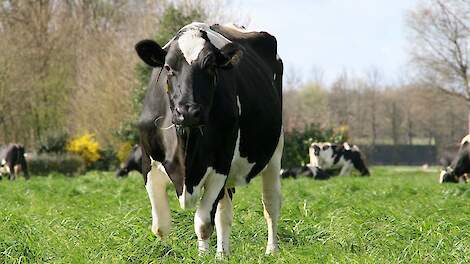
(179, 110)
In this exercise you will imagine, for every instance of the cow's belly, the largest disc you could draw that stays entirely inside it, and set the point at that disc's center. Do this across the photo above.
(329, 164)
(239, 170)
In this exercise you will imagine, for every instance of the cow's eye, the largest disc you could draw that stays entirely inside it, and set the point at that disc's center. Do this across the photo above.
(169, 70)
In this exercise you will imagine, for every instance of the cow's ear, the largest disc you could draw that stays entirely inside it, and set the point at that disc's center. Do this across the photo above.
(316, 147)
(229, 56)
(151, 53)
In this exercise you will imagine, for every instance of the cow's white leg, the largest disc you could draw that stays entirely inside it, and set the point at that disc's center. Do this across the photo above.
(223, 224)
(272, 197)
(202, 220)
(346, 170)
(157, 179)
(11, 169)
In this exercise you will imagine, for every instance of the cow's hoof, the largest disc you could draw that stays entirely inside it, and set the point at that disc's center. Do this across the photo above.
(161, 232)
(203, 246)
(203, 252)
(272, 249)
(224, 256)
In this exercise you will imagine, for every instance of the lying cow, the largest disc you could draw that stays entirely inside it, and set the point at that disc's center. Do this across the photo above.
(133, 162)
(12, 161)
(305, 171)
(337, 156)
(459, 169)
(212, 120)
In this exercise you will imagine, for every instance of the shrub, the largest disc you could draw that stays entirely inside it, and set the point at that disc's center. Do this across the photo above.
(86, 147)
(107, 161)
(54, 143)
(44, 164)
(296, 143)
(123, 151)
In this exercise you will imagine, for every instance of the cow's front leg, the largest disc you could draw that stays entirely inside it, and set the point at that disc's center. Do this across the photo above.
(205, 213)
(157, 179)
(223, 224)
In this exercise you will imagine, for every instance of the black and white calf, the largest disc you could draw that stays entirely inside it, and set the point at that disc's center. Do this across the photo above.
(12, 161)
(133, 162)
(459, 169)
(212, 120)
(337, 156)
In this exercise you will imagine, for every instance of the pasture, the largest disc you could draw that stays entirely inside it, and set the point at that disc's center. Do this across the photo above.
(399, 214)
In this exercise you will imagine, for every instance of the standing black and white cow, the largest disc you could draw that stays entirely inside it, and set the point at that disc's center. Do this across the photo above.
(459, 169)
(212, 120)
(337, 156)
(133, 162)
(12, 161)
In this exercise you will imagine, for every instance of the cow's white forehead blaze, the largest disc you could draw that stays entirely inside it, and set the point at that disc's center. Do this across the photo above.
(191, 41)
(191, 44)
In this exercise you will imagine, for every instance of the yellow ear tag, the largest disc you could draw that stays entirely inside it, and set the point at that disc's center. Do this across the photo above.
(167, 88)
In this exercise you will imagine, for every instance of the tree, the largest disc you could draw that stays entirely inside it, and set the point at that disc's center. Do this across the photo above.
(440, 37)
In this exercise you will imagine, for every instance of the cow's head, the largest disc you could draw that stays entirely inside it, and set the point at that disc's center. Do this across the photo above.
(316, 148)
(448, 175)
(4, 169)
(191, 62)
(324, 150)
(122, 172)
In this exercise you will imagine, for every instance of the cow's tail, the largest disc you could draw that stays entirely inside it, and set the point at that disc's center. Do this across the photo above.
(278, 71)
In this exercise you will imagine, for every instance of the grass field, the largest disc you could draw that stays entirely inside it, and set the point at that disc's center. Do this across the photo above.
(397, 215)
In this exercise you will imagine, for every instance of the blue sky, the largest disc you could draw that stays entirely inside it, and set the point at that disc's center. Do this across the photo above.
(335, 35)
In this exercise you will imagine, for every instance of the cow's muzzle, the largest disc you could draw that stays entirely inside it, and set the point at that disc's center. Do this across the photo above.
(187, 115)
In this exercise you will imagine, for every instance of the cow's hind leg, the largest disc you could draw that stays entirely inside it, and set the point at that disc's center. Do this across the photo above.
(11, 169)
(272, 197)
(359, 165)
(157, 179)
(346, 170)
(223, 224)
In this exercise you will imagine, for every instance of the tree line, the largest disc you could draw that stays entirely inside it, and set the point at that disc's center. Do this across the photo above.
(68, 66)
(376, 113)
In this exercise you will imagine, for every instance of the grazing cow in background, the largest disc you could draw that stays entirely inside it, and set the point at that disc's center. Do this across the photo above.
(212, 120)
(12, 161)
(335, 156)
(133, 162)
(459, 169)
(446, 159)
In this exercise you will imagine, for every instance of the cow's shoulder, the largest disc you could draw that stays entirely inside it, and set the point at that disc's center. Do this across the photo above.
(263, 43)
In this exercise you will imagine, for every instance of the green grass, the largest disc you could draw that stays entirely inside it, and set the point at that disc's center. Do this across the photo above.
(397, 215)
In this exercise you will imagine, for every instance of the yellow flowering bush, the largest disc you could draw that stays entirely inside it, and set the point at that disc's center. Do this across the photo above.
(86, 147)
(123, 151)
